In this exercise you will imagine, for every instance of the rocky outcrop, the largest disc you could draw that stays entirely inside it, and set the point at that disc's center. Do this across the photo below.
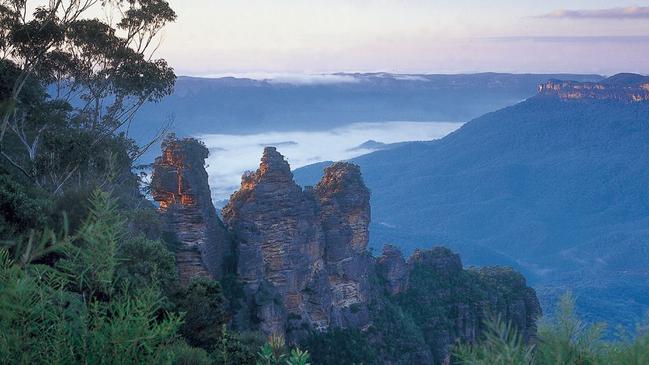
(449, 303)
(302, 262)
(394, 269)
(344, 215)
(621, 87)
(305, 249)
(179, 184)
(507, 294)
(280, 246)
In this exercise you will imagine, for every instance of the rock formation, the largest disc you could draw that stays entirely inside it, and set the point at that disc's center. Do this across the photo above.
(344, 214)
(179, 184)
(393, 268)
(621, 87)
(304, 249)
(450, 303)
(280, 246)
(303, 265)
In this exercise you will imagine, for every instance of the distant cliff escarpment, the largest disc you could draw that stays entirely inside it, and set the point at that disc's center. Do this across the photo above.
(621, 87)
(301, 261)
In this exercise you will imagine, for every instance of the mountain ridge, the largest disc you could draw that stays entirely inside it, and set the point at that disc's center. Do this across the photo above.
(245, 105)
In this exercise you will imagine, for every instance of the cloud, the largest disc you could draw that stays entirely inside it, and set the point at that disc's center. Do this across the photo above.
(632, 12)
(291, 78)
(572, 39)
(241, 152)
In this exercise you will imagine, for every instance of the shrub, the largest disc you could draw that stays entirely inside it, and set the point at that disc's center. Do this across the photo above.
(183, 354)
(143, 262)
(237, 348)
(340, 347)
(501, 345)
(564, 340)
(22, 208)
(567, 340)
(203, 305)
(69, 313)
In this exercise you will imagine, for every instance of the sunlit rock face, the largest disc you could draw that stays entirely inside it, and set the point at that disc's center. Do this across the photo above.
(621, 87)
(179, 185)
(280, 245)
(302, 248)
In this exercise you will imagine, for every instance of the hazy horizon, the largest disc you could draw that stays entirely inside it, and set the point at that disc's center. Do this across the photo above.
(346, 76)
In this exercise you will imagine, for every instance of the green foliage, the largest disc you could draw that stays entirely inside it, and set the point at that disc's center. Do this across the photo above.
(431, 299)
(74, 203)
(508, 283)
(92, 260)
(423, 317)
(70, 85)
(37, 247)
(397, 335)
(266, 356)
(22, 208)
(183, 354)
(71, 312)
(129, 329)
(564, 340)
(203, 305)
(341, 347)
(232, 286)
(501, 345)
(39, 321)
(237, 348)
(567, 340)
(145, 219)
(143, 263)
(298, 357)
(97, 75)
(629, 352)
(274, 352)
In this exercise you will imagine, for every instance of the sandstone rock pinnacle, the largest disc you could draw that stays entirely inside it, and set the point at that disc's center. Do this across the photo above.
(179, 184)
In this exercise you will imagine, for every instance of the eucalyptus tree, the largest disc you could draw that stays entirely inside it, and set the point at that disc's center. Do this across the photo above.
(72, 76)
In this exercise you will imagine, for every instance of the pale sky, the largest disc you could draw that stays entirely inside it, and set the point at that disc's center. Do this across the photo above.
(213, 37)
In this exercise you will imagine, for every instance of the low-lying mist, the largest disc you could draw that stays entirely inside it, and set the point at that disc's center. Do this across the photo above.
(233, 154)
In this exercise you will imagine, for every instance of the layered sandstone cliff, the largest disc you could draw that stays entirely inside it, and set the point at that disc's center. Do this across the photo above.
(179, 184)
(621, 87)
(344, 214)
(280, 247)
(302, 263)
(301, 253)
